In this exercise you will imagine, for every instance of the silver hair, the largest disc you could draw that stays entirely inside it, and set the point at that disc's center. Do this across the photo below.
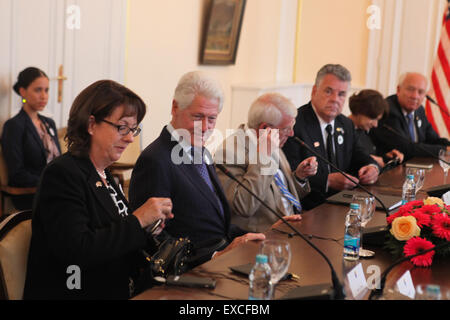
(197, 83)
(337, 70)
(270, 108)
(403, 76)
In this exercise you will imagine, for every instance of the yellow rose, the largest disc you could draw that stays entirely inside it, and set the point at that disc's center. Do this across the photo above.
(404, 228)
(433, 200)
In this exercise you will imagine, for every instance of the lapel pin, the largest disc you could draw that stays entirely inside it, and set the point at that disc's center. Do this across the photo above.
(419, 123)
(98, 184)
(316, 144)
(340, 130)
(340, 139)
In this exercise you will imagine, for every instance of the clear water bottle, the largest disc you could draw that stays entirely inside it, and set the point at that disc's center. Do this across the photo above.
(352, 233)
(409, 189)
(260, 284)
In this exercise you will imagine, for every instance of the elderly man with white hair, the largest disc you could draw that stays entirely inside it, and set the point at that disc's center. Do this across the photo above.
(253, 155)
(177, 166)
(407, 118)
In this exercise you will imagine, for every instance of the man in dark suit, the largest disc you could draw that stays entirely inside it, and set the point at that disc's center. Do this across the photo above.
(321, 126)
(413, 134)
(177, 166)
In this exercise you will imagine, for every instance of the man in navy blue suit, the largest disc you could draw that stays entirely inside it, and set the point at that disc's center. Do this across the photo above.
(177, 166)
(321, 125)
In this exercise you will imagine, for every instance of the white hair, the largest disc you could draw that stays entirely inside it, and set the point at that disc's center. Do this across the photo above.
(197, 83)
(403, 76)
(270, 108)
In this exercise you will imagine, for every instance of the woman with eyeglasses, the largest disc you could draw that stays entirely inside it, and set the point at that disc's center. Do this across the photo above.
(368, 107)
(29, 140)
(86, 243)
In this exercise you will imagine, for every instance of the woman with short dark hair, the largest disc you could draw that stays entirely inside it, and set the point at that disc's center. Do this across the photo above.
(368, 107)
(81, 219)
(29, 140)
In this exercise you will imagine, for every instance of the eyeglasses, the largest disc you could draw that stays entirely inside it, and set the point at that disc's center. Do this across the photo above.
(123, 129)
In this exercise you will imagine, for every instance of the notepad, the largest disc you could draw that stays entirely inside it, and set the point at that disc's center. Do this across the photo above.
(345, 197)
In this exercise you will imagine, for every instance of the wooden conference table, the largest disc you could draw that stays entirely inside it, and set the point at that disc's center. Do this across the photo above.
(326, 225)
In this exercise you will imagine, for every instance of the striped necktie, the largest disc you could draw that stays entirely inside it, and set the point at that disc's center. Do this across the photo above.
(285, 192)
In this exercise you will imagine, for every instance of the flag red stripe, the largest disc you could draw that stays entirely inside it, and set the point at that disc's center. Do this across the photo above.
(430, 117)
(444, 63)
(440, 99)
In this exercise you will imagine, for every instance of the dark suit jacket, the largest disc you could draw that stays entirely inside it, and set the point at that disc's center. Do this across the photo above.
(429, 143)
(195, 208)
(23, 149)
(350, 154)
(75, 222)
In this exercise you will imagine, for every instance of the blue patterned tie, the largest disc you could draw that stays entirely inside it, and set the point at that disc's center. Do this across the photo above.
(203, 171)
(285, 192)
(411, 126)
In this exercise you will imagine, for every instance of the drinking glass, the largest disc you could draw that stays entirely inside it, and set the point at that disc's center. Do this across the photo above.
(367, 207)
(444, 155)
(419, 176)
(278, 253)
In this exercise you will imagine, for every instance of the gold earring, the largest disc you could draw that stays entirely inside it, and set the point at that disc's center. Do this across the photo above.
(24, 100)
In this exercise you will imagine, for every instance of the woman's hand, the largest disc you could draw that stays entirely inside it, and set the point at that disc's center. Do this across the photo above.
(154, 209)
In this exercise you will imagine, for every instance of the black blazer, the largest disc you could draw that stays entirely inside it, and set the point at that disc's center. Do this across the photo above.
(350, 154)
(23, 149)
(195, 208)
(428, 139)
(75, 222)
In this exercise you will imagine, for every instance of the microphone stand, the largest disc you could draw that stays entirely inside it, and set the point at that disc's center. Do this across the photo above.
(379, 292)
(438, 105)
(341, 172)
(337, 286)
(395, 132)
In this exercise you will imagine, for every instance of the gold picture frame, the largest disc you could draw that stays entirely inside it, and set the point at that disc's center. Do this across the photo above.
(222, 31)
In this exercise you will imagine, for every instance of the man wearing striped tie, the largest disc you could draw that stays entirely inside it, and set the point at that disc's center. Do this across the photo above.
(253, 154)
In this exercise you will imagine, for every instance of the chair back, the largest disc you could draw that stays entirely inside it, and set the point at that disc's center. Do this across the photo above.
(15, 237)
(3, 170)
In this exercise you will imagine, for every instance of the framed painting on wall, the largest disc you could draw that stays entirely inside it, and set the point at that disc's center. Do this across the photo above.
(222, 32)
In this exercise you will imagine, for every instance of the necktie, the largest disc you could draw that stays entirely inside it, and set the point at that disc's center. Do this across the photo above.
(410, 121)
(330, 151)
(285, 192)
(203, 171)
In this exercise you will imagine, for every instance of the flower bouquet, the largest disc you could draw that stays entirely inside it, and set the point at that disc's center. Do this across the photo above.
(417, 226)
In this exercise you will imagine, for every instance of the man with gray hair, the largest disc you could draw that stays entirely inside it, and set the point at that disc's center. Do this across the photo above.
(253, 155)
(176, 165)
(321, 126)
(407, 117)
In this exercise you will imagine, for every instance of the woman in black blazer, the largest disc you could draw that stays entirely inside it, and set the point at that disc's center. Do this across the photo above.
(29, 140)
(367, 107)
(86, 243)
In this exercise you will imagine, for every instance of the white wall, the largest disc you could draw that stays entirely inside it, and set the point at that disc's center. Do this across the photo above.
(164, 40)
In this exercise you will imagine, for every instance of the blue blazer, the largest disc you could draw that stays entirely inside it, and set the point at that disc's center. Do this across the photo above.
(23, 149)
(196, 211)
(351, 155)
(429, 142)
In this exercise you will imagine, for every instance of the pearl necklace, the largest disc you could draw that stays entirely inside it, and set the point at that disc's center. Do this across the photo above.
(101, 174)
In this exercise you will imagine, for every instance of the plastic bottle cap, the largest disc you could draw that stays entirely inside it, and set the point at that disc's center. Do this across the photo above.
(354, 206)
(410, 176)
(433, 289)
(261, 258)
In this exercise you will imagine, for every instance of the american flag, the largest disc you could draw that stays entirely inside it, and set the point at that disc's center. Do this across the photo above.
(440, 82)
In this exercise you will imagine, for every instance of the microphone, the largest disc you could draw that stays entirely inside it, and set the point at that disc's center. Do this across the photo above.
(439, 106)
(337, 286)
(395, 132)
(341, 172)
(379, 292)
